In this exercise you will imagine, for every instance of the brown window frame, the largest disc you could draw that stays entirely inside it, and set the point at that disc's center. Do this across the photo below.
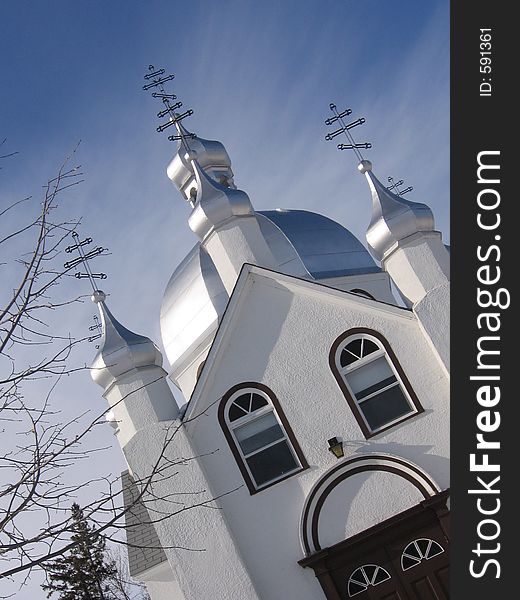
(392, 359)
(231, 440)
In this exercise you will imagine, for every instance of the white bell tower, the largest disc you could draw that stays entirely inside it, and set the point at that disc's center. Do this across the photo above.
(402, 236)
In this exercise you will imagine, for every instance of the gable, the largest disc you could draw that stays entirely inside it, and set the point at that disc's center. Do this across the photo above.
(276, 325)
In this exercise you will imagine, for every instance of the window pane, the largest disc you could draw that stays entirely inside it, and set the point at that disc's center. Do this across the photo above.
(434, 549)
(355, 588)
(355, 347)
(244, 401)
(369, 346)
(412, 550)
(423, 544)
(385, 407)
(271, 463)
(408, 562)
(347, 358)
(370, 571)
(235, 412)
(381, 575)
(257, 402)
(258, 433)
(377, 386)
(369, 374)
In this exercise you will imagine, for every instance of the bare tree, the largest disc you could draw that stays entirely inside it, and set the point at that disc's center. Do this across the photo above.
(121, 584)
(35, 497)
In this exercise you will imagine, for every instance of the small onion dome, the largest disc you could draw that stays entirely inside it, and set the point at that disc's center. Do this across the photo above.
(120, 349)
(215, 203)
(211, 156)
(393, 217)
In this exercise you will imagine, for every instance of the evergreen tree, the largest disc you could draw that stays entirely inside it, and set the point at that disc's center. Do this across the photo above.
(82, 573)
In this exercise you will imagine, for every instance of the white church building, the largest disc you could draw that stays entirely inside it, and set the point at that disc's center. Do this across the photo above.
(311, 457)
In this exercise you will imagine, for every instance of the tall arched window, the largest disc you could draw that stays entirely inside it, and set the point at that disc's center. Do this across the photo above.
(372, 380)
(259, 436)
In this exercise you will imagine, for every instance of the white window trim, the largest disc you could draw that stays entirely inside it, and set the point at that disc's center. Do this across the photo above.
(252, 416)
(361, 362)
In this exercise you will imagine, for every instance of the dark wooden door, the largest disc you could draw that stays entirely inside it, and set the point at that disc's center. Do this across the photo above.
(406, 558)
(417, 568)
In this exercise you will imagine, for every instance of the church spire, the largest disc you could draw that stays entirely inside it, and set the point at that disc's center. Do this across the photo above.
(393, 217)
(222, 217)
(215, 204)
(211, 155)
(402, 236)
(128, 367)
(120, 350)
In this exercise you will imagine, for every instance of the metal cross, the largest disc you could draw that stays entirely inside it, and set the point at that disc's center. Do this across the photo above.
(83, 259)
(156, 81)
(395, 185)
(96, 327)
(345, 128)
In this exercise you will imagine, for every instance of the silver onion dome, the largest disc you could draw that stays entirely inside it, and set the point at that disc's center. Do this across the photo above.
(304, 244)
(393, 217)
(120, 349)
(212, 157)
(215, 204)
(193, 302)
(326, 248)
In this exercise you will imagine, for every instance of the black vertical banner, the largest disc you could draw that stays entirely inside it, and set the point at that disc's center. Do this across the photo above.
(485, 240)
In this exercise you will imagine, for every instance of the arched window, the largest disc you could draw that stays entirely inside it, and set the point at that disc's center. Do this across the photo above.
(372, 380)
(365, 576)
(419, 550)
(259, 436)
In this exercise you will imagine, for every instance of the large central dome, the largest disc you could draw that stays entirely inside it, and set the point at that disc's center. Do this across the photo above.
(304, 244)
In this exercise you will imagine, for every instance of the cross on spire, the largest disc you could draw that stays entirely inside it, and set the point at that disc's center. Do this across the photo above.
(156, 80)
(97, 328)
(345, 128)
(396, 185)
(83, 259)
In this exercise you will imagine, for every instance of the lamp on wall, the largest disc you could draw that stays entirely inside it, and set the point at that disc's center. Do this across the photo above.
(336, 447)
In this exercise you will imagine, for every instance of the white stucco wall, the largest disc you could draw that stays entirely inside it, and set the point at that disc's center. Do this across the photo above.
(204, 559)
(420, 267)
(279, 333)
(349, 508)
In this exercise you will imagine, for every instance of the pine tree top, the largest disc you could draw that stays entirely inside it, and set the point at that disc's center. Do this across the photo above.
(82, 572)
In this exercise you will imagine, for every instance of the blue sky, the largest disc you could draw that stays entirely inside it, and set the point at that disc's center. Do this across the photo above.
(260, 77)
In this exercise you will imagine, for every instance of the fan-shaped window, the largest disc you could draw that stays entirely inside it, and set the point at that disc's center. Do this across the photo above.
(365, 576)
(372, 380)
(259, 436)
(419, 550)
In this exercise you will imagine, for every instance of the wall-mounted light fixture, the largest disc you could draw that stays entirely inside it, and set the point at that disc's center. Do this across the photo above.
(336, 447)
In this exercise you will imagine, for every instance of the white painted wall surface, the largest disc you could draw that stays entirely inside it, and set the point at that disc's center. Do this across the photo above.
(279, 332)
(349, 508)
(204, 559)
(420, 267)
(237, 242)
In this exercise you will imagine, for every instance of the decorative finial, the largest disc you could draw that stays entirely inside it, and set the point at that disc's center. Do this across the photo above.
(83, 259)
(395, 187)
(175, 118)
(345, 128)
